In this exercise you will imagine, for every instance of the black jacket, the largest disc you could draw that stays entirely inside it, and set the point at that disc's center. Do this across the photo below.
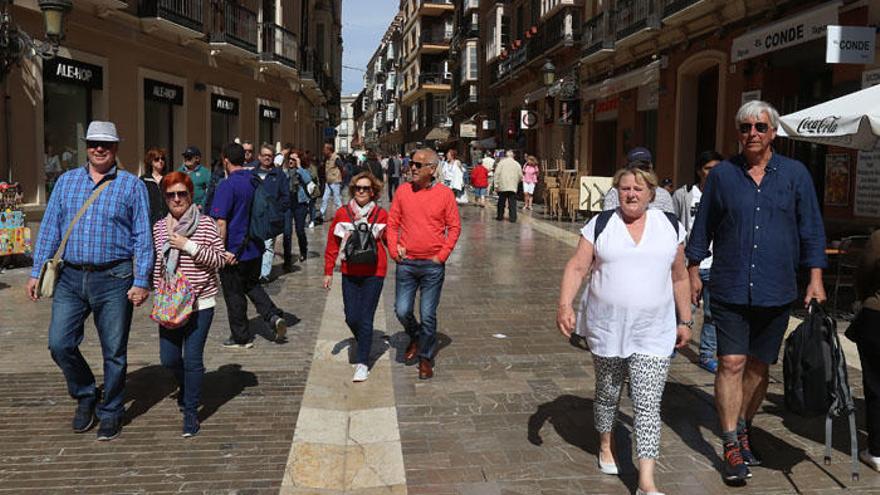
(158, 208)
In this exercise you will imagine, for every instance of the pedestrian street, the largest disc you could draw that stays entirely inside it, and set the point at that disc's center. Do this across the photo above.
(508, 411)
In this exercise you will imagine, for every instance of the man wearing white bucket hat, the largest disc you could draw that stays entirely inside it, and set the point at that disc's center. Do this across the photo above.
(106, 268)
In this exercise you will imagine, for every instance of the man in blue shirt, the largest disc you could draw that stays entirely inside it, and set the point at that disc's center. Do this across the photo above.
(240, 276)
(761, 212)
(107, 263)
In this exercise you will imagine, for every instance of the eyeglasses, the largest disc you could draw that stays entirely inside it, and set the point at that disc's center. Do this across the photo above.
(761, 127)
(176, 195)
(100, 144)
(358, 189)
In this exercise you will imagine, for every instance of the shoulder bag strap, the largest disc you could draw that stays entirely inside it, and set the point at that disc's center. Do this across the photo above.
(79, 214)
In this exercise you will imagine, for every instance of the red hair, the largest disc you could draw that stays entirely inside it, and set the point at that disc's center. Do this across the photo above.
(176, 178)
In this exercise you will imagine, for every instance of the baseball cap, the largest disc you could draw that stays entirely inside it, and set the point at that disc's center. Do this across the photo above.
(192, 151)
(639, 154)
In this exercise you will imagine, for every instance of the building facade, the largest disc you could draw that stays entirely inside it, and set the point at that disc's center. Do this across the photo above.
(345, 131)
(172, 74)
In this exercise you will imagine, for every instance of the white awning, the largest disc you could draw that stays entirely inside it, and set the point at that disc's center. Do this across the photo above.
(618, 84)
(851, 121)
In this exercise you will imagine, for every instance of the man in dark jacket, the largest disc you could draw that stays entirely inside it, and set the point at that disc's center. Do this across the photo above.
(276, 183)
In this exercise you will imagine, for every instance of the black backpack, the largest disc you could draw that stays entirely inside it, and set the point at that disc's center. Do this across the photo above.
(605, 216)
(361, 248)
(815, 376)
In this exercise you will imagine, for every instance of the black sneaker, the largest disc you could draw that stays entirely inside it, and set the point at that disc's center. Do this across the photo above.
(231, 343)
(84, 417)
(109, 429)
(745, 447)
(735, 470)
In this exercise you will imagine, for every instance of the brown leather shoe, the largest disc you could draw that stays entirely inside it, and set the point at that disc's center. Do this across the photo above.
(411, 350)
(426, 369)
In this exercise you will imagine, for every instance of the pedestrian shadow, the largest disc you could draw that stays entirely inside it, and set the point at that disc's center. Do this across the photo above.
(400, 340)
(381, 344)
(4, 286)
(145, 387)
(687, 409)
(222, 385)
(259, 327)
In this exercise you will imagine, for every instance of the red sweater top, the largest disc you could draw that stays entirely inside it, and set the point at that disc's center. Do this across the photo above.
(425, 222)
(480, 176)
(333, 243)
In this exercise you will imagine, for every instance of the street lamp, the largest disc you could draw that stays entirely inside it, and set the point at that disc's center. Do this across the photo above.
(15, 44)
(548, 73)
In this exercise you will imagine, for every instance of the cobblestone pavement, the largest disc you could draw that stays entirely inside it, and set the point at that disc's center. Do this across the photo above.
(509, 410)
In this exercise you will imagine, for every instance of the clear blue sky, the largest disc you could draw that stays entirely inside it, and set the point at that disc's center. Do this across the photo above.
(363, 24)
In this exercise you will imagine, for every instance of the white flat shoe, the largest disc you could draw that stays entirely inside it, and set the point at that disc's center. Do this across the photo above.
(867, 458)
(361, 372)
(639, 491)
(608, 468)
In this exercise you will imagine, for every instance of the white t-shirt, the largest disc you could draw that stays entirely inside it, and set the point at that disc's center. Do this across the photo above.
(628, 307)
(696, 195)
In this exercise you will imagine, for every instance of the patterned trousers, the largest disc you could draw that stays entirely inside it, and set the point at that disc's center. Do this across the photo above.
(647, 378)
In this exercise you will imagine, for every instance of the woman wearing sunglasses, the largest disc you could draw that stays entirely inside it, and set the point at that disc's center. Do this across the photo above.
(361, 282)
(189, 243)
(157, 166)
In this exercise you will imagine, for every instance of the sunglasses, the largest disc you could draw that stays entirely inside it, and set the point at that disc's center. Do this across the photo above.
(100, 144)
(159, 159)
(761, 127)
(176, 194)
(420, 164)
(358, 189)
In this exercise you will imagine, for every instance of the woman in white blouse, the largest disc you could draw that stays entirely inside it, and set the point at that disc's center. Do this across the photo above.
(634, 311)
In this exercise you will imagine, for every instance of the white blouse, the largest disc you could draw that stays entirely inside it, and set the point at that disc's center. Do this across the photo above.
(628, 307)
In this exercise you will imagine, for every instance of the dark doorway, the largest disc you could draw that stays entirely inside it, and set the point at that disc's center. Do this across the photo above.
(605, 148)
(707, 111)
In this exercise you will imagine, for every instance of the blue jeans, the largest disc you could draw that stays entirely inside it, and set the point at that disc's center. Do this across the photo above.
(296, 215)
(104, 293)
(360, 296)
(334, 189)
(708, 340)
(427, 277)
(181, 351)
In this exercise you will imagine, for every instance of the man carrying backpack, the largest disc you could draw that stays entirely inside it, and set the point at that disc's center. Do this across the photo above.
(232, 207)
(760, 210)
(275, 183)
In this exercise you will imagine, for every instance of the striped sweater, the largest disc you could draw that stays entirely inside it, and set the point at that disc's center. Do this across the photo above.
(199, 262)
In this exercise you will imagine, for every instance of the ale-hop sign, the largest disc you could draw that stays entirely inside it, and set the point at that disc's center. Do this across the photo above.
(74, 72)
(807, 26)
(224, 104)
(164, 92)
(270, 113)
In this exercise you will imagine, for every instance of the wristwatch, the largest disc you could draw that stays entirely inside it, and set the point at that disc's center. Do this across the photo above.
(689, 323)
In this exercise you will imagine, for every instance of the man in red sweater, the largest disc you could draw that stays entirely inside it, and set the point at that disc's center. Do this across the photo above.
(423, 227)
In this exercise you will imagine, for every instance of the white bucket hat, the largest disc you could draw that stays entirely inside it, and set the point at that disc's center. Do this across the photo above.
(102, 131)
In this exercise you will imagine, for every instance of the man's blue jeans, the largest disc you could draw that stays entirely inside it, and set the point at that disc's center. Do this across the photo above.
(360, 296)
(426, 277)
(334, 189)
(104, 293)
(708, 341)
(181, 350)
(296, 216)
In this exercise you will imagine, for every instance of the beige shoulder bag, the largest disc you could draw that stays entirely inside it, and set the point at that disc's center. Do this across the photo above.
(51, 268)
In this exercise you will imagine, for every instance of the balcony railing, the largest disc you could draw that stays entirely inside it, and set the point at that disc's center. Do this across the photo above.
(669, 7)
(562, 28)
(598, 34)
(434, 78)
(437, 2)
(436, 38)
(234, 24)
(311, 67)
(186, 13)
(631, 16)
(278, 45)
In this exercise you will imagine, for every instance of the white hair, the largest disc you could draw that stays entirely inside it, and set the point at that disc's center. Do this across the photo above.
(753, 110)
(510, 154)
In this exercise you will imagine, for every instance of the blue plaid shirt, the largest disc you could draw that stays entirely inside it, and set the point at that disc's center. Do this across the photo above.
(115, 227)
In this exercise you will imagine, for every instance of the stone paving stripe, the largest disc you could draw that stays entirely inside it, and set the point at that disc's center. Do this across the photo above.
(347, 437)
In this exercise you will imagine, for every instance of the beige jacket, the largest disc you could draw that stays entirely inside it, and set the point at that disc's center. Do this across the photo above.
(508, 175)
(332, 174)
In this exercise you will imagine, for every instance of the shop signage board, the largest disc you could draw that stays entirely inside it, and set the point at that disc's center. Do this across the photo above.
(270, 113)
(73, 72)
(870, 78)
(867, 197)
(748, 96)
(164, 92)
(467, 130)
(224, 104)
(807, 26)
(527, 119)
(607, 109)
(592, 192)
(850, 45)
(837, 179)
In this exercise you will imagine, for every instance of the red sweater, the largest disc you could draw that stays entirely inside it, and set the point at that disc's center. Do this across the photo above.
(425, 222)
(333, 243)
(480, 176)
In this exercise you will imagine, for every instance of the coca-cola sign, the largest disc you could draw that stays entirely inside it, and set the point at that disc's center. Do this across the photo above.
(824, 125)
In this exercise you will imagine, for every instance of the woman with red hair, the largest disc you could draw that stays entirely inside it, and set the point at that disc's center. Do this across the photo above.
(187, 243)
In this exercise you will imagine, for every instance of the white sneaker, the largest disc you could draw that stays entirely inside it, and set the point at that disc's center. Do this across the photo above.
(361, 372)
(311, 225)
(867, 458)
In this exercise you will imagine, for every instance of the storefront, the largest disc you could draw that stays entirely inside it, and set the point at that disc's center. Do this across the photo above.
(224, 123)
(269, 122)
(162, 101)
(69, 88)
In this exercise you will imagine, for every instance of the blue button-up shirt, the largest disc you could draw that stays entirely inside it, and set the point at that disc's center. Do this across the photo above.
(762, 233)
(115, 227)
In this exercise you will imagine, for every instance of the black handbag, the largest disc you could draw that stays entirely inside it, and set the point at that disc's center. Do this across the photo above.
(361, 248)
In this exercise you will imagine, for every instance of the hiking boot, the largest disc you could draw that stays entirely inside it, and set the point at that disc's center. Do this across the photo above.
(84, 417)
(745, 447)
(735, 470)
(110, 428)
